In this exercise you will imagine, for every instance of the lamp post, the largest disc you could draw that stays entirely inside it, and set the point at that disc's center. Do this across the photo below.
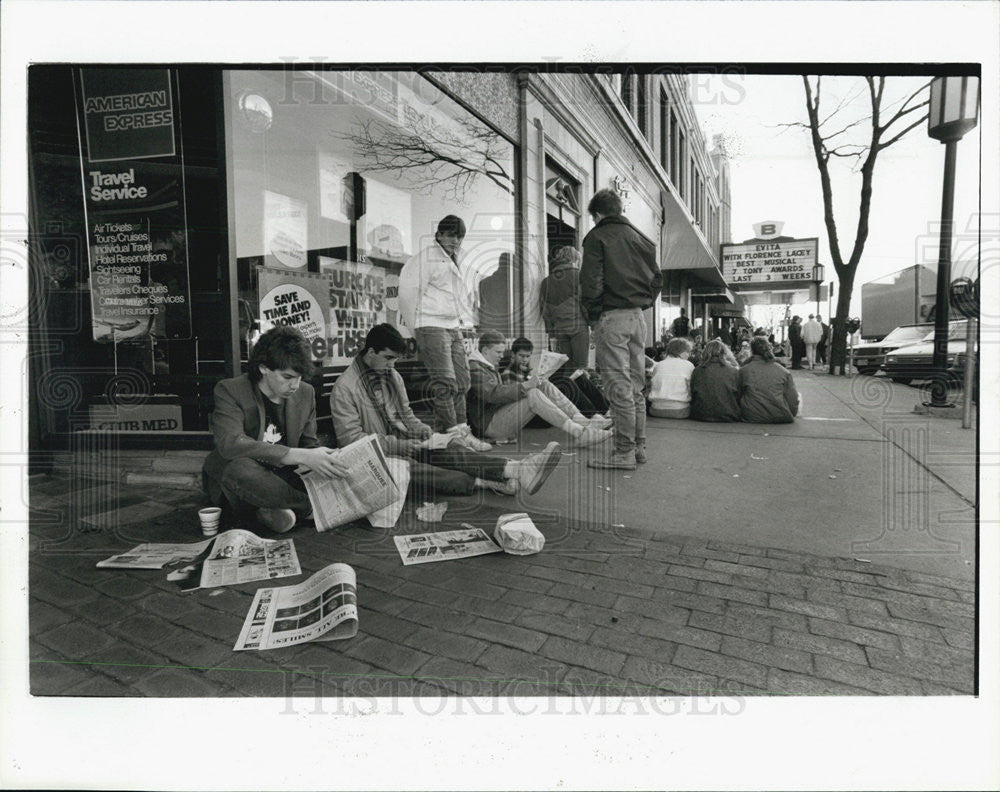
(954, 107)
(819, 272)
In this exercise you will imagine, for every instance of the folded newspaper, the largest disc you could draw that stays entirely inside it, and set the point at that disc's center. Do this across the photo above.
(444, 545)
(323, 608)
(155, 556)
(367, 487)
(549, 363)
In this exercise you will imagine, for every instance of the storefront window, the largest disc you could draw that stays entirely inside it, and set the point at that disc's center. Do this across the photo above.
(340, 177)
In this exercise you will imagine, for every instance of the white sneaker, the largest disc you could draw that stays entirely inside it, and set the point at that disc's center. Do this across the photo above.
(535, 468)
(505, 487)
(591, 437)
(277, 520)
(465, 437)
(600, 422)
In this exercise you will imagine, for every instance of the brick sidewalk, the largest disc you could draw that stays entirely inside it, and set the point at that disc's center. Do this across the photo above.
(609, 611)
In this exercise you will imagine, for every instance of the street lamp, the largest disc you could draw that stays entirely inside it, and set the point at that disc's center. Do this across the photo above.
(819, 272)
(954, 106)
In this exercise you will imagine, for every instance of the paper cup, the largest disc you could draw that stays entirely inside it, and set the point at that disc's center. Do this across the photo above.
(209, 519)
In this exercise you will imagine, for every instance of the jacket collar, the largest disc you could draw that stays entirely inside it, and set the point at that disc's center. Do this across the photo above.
(477, 356)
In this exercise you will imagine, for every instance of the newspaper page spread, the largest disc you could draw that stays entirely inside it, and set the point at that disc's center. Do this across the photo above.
(444, 545)
(243, 557)
(322, 608)
(549, 363)
(367, 487)
(154, 556)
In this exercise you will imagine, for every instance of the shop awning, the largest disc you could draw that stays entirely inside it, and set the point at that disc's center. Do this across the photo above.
(683, 247)
(713, 294)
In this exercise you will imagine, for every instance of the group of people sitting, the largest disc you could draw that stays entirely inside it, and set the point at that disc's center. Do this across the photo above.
(264, 425)
(760, 390)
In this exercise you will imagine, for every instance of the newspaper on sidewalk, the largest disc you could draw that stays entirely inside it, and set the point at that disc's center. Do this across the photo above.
(242, 557)
(367, 487)
(322, 608)
(549, 363)
(155, 556)
(444, 545)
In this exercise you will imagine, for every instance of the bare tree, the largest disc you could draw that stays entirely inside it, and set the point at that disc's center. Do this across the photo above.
(887, 126)
(434, 156)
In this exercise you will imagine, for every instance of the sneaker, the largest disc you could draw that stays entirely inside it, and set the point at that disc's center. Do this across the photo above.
(600, 422)
(535, 468)
(619, 460)
(465, 437)
(277, 520)
(591, 437)
(505, 487)
(640, 455)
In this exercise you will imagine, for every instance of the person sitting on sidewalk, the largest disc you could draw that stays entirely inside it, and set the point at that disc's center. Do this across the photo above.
(370, 398)
(670, 386)
(767, 390)
(499, 411)
(574, 385)
(264, 425)
(715, 384)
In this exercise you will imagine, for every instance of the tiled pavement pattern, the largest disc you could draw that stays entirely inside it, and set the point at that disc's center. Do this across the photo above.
(601, 611)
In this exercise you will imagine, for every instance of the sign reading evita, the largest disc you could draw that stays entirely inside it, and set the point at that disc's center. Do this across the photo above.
(769, 264)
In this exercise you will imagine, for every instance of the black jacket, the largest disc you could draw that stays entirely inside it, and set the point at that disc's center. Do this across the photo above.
(767, 392)
(715, 393)
(560, 297)
(619, 268)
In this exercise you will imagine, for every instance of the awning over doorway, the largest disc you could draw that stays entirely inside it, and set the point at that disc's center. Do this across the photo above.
(682, 246)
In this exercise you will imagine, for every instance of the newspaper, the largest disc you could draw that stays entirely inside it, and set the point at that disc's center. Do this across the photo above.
(243, 557)
(367, 487)
(155, 556)
(444, 545)
(549, 363)
(322, 608)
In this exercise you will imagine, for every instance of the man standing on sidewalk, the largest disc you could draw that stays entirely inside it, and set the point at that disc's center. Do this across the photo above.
(618, 280)
(436, 302)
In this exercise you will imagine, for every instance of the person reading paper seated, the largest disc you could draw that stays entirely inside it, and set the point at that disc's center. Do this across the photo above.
(264, 425)
(499, 411)
(370, 398)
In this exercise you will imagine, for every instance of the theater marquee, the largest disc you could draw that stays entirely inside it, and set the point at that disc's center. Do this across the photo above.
(769, 264)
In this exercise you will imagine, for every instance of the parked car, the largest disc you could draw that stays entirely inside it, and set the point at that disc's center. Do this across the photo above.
(869, 357)
(917, 360)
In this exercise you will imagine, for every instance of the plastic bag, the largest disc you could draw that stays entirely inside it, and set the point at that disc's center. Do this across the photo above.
(388, 515)
(517, 534)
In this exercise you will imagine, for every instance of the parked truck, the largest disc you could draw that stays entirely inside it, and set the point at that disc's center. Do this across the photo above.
(903, 298)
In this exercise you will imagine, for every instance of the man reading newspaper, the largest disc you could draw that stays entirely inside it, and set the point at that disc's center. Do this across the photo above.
(370, 398)
(264, 426)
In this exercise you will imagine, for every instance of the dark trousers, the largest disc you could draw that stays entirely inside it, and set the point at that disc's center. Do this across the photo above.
(248, 485)
(451, 471)
(821, 352)
(798, 351)
(584, 394)
(576, 346)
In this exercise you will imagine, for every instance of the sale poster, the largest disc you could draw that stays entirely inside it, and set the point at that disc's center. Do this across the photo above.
(357, 303)
(300, 300)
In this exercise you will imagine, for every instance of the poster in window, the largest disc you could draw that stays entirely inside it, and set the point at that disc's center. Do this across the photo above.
(300, 300)
(357, 303)
(285, 231)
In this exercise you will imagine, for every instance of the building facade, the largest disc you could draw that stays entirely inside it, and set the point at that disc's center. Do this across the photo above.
(177, 212)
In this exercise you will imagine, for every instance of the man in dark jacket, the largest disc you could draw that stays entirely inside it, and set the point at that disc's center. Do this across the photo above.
(618, 280)
(824, 340)
(561, 311)
(681, 326)
(797, 344)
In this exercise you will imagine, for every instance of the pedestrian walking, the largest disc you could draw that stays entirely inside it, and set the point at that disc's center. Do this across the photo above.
(812, 332)
(436, 302)
(796, 342)
(619, 278)
(824, 341)
(767, 390)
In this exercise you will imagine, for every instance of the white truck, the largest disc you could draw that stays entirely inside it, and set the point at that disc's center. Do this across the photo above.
(906, 297)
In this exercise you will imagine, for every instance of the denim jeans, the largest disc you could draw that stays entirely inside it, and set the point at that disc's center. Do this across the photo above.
(247, 485)
(443, 353)
(620, 337)
(545, 401)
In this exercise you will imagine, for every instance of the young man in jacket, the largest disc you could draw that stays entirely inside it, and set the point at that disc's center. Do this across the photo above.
(370, 398)
(619, 279)
(499, 411)
(561, 312)
(264, 426)
(437, 303)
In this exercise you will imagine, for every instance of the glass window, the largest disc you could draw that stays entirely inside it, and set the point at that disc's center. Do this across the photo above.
(346, 176)
(664, 132)
(642, 108)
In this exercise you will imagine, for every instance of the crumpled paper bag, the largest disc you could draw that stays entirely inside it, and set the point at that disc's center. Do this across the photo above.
(432, 512)
(517, 534)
